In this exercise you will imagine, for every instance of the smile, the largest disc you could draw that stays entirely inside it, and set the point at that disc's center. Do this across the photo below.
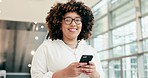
(72, 29)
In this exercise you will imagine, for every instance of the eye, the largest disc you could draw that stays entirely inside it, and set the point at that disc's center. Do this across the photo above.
(77, 19)
(67, 19)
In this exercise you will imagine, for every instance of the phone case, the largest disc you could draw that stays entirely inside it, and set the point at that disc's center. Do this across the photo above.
(86, 58)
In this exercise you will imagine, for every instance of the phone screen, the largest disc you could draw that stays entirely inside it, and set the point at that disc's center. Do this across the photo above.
(86, 58)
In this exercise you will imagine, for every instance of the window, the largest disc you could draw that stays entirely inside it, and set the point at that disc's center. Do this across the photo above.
(123, 14)
(100, 26)
(145, 45)
(124, 34)
(105, 68)
(116, 3)
(145, 27)
(146, 66)
(118, 51)
(117, 39)
(129, 67)
(100, 9)
(114, 69)
(101, 42)
(104, 54)
(144, 5)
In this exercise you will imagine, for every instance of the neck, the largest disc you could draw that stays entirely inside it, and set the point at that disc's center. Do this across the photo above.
(71, 43)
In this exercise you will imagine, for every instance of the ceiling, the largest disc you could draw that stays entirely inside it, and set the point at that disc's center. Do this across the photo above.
(30, 10)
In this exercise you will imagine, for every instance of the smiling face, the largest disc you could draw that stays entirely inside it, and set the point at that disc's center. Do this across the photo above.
(71, 26)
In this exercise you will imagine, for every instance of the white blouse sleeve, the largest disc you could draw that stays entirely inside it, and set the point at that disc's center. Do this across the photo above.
(39, 64)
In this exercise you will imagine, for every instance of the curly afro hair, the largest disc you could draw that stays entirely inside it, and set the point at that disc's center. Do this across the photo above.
(56, 14)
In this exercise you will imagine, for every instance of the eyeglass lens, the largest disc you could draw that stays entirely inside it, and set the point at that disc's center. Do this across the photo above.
(68, 20)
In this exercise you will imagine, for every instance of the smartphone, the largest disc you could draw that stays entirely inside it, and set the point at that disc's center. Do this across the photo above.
(86, 59)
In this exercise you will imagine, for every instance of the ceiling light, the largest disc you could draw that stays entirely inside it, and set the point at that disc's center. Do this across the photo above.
(42, 26)
(29, 65)
(36, 37)
(35, 22)
(32, 52)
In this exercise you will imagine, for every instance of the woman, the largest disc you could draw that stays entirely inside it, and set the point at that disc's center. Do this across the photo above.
(69, 25)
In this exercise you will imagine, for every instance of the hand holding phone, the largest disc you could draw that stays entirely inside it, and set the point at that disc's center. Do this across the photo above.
(86, 59)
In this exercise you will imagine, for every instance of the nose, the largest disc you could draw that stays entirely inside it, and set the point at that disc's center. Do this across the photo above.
(73, 23)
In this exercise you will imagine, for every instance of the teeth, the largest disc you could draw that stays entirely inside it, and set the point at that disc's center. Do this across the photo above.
(72, 30)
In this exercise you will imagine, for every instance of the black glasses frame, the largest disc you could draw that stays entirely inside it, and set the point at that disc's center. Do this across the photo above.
(75, 20)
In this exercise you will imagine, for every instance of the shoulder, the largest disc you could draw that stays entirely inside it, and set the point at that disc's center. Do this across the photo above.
(47, 46)
(49, 42)
(87, 46)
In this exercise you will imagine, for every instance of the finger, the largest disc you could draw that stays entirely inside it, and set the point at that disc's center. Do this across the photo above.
(89, 67)
(81, 64)
(89, 74)
(88, 70)
(91, 63)
(75, 63)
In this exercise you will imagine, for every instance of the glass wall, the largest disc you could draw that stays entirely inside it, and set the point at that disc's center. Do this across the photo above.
(124, 13)
(124, 34)
(120, 35)
(146, 66)
(144, 27)
(144, 5)
(129, 67)
(99, 39)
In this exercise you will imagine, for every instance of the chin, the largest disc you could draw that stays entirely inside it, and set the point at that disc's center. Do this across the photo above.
(72, 37)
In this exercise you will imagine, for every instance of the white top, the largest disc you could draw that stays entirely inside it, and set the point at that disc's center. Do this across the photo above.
(55, 55)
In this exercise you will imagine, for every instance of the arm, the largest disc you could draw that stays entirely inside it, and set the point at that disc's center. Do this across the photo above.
(59, 74)
(73, 70)
(39, 66)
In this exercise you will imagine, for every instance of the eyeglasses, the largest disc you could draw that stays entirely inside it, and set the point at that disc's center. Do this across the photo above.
(69, 20)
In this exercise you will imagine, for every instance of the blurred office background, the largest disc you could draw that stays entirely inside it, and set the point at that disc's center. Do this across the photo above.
(120, 35)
